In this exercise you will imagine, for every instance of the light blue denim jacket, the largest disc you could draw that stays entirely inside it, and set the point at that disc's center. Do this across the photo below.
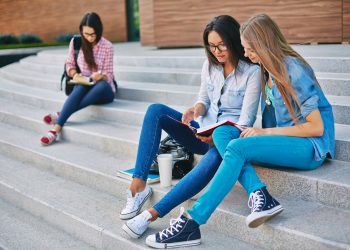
(311, 98)
(238, 94)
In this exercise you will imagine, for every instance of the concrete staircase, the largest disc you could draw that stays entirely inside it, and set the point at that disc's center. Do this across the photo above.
(67, 196)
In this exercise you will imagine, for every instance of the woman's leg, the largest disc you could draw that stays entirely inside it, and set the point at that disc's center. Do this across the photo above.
(157, 118)
(83, 96)
(100, 93)
(274, 150)
(191, 184)
(72, 103)
(248, 178)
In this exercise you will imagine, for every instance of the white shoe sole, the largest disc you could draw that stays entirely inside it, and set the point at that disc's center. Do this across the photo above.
(158, 245)
(255, 220)
(130, 232)
(136, 212)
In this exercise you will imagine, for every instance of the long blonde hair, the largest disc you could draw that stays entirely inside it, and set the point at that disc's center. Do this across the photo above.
(266, 39)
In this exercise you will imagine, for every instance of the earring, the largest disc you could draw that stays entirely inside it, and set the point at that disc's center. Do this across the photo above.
(268, 102)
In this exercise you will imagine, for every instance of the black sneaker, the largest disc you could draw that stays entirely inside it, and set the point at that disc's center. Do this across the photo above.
(182, 232)
(263, 207)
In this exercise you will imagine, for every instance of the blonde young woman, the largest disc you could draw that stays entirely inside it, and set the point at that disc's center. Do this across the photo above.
(298, 130)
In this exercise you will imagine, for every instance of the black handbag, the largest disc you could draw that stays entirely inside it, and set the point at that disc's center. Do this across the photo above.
(182, 158)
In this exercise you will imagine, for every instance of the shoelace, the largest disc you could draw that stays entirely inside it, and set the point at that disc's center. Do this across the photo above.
(131, 201)
(174, 225)
(255, 201)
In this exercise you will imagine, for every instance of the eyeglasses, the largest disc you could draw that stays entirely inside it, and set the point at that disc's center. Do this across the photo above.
(89, 34)
(220, 47)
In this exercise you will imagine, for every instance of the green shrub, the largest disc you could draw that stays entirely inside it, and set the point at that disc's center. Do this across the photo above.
(8, 39)
(65, 38)
(29, 38)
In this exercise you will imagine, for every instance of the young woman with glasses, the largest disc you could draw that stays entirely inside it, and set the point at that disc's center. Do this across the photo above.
(229, 90)
(95, 60)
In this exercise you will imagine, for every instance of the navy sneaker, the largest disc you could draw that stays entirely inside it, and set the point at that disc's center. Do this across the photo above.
(263, 207)
(182, 232)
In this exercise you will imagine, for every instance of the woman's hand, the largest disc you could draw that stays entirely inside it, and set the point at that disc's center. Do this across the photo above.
(254, 132)
(199, 110)
(206, 139)
(97, 76)
(192, 113)
(188, 116)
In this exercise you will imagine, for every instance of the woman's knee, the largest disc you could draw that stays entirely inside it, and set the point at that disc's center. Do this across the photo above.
(157, 110)
(236, 146)
(226, 132)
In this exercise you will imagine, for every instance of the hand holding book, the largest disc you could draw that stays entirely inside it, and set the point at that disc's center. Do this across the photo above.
(80, 79)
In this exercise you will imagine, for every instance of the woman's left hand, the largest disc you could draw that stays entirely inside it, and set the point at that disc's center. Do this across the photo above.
(253, 132)
(206, 139)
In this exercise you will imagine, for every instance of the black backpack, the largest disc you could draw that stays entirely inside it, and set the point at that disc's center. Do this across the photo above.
(182, 158)
(68, 88)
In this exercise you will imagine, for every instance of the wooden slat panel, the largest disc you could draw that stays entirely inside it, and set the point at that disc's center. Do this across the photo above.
(51, 18)
(146, 22)
(346, 20)
(181, 22)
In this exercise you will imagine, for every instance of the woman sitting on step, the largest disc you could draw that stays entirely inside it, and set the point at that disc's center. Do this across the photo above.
(298, 132)
(230, 89)
(95, 60)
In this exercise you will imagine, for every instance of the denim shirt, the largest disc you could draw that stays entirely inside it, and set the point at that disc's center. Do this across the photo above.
(235, 98)
(311, 98)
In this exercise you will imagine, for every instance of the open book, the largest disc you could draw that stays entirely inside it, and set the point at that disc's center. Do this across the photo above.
(79, 79)
(127, 174)
(208, 130)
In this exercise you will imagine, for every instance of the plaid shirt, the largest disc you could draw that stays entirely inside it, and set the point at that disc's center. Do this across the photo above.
(103, 55)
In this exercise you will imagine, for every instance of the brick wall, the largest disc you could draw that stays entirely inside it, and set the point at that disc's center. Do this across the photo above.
(48, 18)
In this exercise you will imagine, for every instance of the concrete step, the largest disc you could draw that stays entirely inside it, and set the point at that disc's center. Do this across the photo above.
(125, 111)
(302, 225)
(332, 83)
(168, 94)
(91, 216)
(323, 58)
(115, 139)
(332, 178)
(15, 112)
(85, 213)
(21, 230)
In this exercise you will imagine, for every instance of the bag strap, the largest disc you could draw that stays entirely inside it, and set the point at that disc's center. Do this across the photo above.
(76, 46)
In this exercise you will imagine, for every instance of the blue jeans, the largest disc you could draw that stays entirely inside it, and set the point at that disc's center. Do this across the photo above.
(160, 117)
(157, 118)
(83, 96)
(281, 151)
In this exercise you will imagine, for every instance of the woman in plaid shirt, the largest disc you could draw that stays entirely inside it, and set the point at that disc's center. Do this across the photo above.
(95, 60)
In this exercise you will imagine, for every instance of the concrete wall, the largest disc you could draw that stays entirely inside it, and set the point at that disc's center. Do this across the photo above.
(168, 23)
(48, 18)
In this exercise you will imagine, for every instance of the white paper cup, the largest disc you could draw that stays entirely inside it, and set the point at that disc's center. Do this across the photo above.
(165, 164)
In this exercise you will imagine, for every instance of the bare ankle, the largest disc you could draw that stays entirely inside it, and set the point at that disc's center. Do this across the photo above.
(137, 185)
(154, 214)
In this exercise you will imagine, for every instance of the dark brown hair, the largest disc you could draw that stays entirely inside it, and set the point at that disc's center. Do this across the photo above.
(228, 29)
(90, 19)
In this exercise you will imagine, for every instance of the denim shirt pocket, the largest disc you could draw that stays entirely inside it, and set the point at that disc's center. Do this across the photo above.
(235, 98)
(282, 114)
